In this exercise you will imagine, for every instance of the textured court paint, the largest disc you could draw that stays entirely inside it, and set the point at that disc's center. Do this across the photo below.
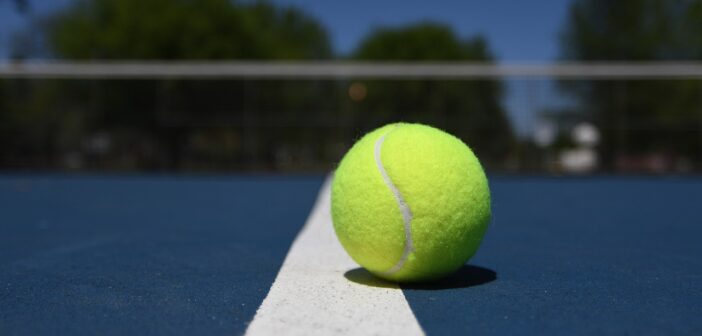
(143, 255)
(311, 295)
(579, 256)
(156, 255)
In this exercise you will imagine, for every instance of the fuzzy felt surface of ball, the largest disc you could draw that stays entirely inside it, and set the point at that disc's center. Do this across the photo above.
(410, 202)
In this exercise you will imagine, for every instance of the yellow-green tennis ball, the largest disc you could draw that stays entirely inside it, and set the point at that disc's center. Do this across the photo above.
(410, 202)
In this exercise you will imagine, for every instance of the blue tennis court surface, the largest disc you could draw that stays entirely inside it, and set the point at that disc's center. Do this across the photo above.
(581, 256)
(121, 255)
(197, 255)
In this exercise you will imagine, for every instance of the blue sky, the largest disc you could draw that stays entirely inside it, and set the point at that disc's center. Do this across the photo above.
(519, 31)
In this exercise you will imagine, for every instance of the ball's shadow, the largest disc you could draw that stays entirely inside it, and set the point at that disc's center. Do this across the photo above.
(466, 276)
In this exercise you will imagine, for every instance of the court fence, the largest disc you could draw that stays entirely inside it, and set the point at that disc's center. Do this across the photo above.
(562, 118)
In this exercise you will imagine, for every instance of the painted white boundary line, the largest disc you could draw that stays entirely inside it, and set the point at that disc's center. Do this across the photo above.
(311, 295)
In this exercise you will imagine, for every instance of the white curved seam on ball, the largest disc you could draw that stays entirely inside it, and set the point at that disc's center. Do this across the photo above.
(404, 208)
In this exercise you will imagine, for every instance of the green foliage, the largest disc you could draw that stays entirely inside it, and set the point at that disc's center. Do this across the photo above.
(472, 110)
(161, 119)
(185, 29)
(421, 42)
(638, 116)
(249, 121)
(633, 30)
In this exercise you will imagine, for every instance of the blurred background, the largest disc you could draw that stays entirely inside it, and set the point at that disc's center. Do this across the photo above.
(547, 87)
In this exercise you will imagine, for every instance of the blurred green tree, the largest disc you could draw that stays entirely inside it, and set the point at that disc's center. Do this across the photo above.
(167, 115)
(184, 29)
(470, 109)
(638, 117)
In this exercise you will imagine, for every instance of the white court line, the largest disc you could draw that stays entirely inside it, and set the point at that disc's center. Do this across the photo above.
(311, 295)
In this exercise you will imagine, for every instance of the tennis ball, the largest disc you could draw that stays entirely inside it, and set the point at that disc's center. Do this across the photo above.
(410, 202)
